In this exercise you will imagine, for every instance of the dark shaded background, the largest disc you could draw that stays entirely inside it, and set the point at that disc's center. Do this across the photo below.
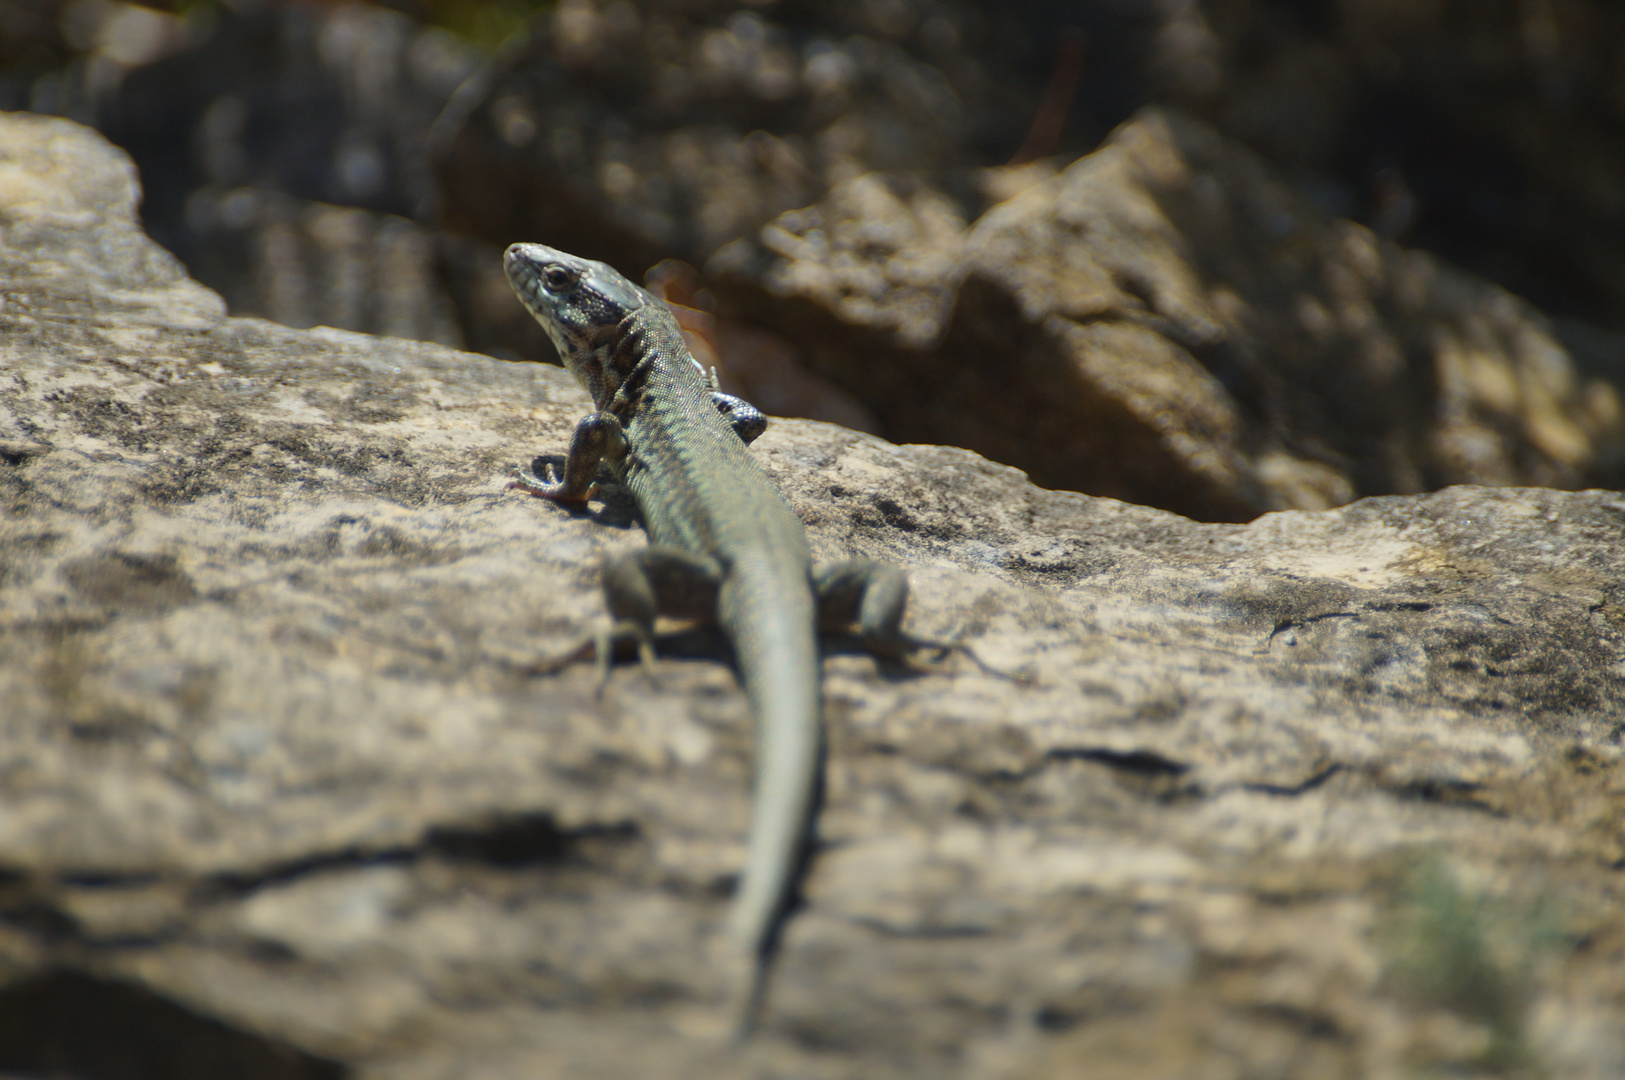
(360, 165)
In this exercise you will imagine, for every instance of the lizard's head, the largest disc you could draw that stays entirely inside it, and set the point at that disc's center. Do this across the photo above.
(577, 301)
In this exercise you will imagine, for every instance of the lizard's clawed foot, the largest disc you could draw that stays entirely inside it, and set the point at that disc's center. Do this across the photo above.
(600, 648)
(1021, 676)
(627, 630)
(949, 646)
(556, 664)
(548, 487)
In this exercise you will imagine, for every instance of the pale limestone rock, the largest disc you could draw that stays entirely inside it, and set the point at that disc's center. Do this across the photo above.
(271, 756)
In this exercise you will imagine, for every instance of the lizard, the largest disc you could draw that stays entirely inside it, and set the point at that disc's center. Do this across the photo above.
(724, 545)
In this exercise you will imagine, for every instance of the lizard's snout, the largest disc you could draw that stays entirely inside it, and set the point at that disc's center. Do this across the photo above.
(519, 255)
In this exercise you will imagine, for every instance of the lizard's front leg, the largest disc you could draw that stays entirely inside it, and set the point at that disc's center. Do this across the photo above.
(598, 436)
(746, 419)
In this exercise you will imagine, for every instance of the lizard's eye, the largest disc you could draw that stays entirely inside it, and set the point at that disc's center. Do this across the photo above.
(558, 279)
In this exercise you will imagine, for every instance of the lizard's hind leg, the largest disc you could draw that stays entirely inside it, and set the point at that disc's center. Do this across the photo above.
(874, 596)
(653, 581)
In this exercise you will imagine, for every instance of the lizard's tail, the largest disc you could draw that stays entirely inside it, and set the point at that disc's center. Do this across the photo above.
(776, 643)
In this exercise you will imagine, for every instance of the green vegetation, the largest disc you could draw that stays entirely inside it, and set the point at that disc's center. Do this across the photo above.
(1477, 956)
(483, 23)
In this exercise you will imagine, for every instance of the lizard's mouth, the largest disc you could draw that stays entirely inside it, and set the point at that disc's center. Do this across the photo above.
(526, 266)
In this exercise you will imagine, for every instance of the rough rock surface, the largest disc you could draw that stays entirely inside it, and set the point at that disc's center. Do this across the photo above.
(1331, 794)
(1167, 321)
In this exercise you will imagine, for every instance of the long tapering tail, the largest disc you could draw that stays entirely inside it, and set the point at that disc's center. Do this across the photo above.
(771, 619)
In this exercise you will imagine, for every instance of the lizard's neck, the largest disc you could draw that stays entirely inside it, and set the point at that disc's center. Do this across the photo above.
(646, 348)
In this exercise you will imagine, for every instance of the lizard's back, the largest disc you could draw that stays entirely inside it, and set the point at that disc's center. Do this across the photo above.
(697, 485)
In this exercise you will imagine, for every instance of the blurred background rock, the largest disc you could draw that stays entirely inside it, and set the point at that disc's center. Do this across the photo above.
(891, 225)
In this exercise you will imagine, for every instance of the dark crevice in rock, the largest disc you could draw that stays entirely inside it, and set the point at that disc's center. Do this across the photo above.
(28, 903)
(503, 841)
(1146, 767)
(935, 932)
(1145, 763)
(1307, 785)
(241, 883)
(1146, 774)
(1462, 793)
(1317, 1025)
(101, 879)
(68, 1024)
(1053, 1019)
(1284, 601)
(522, 840)
(1287, 624)
(22, 909)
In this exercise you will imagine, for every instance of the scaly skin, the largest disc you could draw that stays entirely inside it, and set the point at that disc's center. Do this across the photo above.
(723, 543)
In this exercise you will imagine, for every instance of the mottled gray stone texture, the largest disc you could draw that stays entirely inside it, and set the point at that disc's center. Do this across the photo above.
(1335, 793)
